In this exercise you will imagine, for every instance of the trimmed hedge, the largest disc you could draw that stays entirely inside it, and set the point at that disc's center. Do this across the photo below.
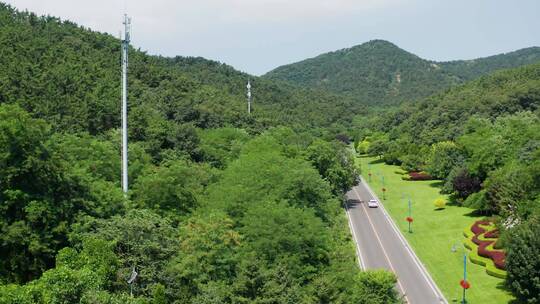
(420, 176)
(481, 255)
(479, 228)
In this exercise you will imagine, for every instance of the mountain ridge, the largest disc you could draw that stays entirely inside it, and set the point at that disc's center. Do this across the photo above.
(379, 72)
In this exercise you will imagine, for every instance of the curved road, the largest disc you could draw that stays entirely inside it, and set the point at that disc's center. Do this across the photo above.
(380, 244)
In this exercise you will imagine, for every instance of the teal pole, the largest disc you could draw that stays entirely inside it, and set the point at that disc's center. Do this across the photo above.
(410, 214)
(464, 276)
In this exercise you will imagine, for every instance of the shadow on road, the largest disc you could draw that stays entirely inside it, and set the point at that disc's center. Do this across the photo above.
(352, 203)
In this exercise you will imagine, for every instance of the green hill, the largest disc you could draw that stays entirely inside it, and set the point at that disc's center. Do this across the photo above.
(69, 75)
(477, 137)
(444, 116)
(471, 69)
(379, 72)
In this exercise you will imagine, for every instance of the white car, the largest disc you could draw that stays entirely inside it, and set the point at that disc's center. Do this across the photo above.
(373, 203)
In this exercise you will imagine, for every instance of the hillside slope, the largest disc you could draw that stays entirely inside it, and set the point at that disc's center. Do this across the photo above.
(380, 72)
(69, 75)
(443, 116)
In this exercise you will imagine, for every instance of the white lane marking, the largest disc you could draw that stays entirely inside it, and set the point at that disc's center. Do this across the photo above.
(413, 255)
(382, 247)
(351, 227)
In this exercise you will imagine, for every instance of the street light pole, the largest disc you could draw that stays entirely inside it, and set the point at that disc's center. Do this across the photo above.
(409, 218)
(464, 284)
(383, 189)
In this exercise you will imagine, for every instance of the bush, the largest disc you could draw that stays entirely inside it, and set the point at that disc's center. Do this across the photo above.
(363, 147)
(440, 203)
(475, 258)
(420, 176)
(462, 183)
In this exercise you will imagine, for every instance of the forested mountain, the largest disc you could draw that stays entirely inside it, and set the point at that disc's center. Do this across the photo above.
(70, 76)
(471, 69)
(223, 207)
(379, 72)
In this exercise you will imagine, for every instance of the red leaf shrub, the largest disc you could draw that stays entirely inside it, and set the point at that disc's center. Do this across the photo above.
(476, 229)
(498, 256)
(493, 234)
(419, 176)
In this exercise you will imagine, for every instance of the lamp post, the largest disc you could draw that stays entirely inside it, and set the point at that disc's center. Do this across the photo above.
(383, 189)
(464, 283)
(409, 218)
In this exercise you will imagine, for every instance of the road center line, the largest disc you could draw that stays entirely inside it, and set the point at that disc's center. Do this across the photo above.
(382, 247)
(408, 248)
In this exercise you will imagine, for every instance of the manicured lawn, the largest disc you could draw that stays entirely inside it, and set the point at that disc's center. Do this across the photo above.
(434, 233)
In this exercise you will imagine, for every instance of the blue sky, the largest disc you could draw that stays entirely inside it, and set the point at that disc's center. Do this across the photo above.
(256, 36)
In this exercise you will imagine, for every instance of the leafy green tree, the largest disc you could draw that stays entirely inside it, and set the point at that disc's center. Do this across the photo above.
(259, 282)
(172, 189)
(142, 240)
(77, 275)
(522, 262)
(41, 197)
(334, 162)
(263, 173)
(374, 287)
(158, 294)
(220, 146)
(378, 147)
(280, 233)
(363, 146)
(443, 158)
(207, 253)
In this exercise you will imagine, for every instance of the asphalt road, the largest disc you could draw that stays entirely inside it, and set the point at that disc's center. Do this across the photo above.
(381, 245)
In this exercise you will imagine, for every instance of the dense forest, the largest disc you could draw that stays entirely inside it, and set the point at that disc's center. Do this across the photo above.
(69, 76)
(224, 207)
(378, 72)
(483, 140)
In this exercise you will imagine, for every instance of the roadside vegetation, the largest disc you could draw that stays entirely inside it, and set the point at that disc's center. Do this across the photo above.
(482, 142)
(437, 234)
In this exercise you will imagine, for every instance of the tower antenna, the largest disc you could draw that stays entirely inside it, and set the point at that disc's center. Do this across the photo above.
(125, 47)
(249, 95)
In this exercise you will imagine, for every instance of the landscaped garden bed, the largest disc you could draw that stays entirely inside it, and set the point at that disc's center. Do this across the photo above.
(481, 238)
(417, 176)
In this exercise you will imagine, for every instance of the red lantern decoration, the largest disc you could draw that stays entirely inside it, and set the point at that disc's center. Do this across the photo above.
(409, 219)
(464, 284)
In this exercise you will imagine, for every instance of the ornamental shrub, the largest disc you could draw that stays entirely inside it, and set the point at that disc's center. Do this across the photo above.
(440, 203)
(420, 176)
